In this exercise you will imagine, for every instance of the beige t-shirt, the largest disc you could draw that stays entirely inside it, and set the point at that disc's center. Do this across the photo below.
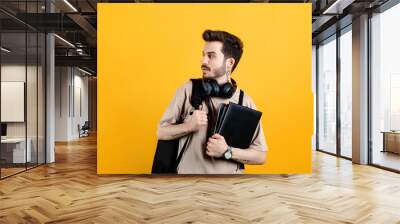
(195, 160)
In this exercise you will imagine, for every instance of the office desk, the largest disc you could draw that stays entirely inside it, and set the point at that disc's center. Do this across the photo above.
(13, 150)
(391, 141)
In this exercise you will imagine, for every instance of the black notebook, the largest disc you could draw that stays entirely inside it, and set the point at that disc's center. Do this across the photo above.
(237, 124)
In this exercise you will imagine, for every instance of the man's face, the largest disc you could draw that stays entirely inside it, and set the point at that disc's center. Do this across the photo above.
(213, 64)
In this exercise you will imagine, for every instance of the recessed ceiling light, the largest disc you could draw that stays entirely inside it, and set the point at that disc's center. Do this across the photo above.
(338, 6)
(70, 5)
(64, 40)
(84, 71)
(5, 50)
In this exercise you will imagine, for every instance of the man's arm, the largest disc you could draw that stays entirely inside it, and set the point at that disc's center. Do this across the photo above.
(168, 128)
(173, 131)
(248, 156)
(255, 154)
(192, 124)
(217, 146)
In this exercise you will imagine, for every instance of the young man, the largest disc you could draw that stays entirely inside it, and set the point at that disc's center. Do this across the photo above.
(221, 54)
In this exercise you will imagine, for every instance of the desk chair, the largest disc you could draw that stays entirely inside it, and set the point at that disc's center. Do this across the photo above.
(84, 130)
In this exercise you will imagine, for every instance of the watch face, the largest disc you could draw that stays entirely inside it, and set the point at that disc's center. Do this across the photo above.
(228, 155)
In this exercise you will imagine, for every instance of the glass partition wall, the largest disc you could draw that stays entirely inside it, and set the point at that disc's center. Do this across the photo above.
(327, 95)
(345, 63)
(334, 101)
(385, 89)
(22, 88)
(334, 93)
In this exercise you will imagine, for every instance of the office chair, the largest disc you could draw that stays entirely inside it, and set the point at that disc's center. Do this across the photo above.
(84, 130)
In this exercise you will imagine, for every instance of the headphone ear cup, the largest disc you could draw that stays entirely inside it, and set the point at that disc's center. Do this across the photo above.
(215, 88)
(207, 88)
(228, 90)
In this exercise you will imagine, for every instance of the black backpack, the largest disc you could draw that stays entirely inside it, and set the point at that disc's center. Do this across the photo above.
(166, 159)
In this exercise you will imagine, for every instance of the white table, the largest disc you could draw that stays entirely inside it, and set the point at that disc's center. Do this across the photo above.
(18, 149)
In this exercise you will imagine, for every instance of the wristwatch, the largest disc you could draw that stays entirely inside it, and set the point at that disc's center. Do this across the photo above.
(228, 153)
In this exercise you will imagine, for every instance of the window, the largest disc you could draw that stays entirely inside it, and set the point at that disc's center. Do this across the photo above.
(385, 88)
(346, 93)
(327, 95)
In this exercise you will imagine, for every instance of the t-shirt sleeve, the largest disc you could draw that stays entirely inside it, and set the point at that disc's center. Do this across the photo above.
(258, 142)
(173, 112)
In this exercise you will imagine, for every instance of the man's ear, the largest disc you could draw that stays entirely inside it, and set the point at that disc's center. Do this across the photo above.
(230, 63)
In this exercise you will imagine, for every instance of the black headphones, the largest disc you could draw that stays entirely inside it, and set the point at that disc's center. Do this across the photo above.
(213, 89)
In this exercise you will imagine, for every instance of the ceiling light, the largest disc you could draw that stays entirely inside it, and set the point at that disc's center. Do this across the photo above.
(84, 71)
(5, 50)
(70, 5)
(65, 41)
(338, 6)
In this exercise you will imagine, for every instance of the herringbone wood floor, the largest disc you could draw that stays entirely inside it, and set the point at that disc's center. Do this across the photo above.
(69, 191)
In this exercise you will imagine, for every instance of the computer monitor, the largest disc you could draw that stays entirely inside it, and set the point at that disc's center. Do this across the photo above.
(3, 129)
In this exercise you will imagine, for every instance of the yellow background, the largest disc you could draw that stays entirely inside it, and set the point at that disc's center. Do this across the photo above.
(146, 51)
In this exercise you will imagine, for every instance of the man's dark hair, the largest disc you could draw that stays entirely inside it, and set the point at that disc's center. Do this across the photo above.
(232, 46)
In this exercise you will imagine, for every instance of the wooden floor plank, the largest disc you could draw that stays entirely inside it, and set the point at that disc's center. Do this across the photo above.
(70, 191)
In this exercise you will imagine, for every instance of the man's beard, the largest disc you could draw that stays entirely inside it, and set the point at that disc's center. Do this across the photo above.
(219, 72)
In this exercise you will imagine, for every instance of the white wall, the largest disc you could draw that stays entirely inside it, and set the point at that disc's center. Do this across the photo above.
(71, 93)
(81, 84)
(33, 127)
(16, 73)
(62, 81)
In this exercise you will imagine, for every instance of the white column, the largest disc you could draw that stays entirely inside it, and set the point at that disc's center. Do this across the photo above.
(360, 90)
(50, 100)
(50, 92)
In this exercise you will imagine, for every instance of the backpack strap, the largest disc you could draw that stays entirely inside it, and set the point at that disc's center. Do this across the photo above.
(241, 165)
(241, 98)
(196, 100)
(210, 117)
(178, 160)
(198, 95)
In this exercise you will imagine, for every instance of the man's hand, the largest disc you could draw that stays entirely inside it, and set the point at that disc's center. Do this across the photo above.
(197, 120)
(216, 146)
